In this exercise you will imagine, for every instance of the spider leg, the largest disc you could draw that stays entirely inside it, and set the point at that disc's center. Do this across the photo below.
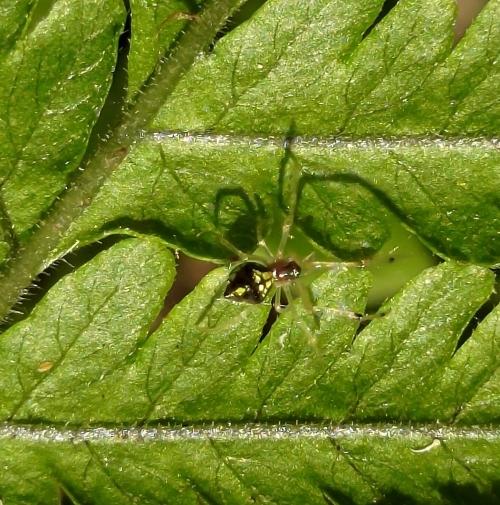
(305, 294)
(336, 265)
(313, 269)
(262, 243)
(305, 328)
(261, 236)
(307, 302)
(291, 205)
(309, 258)
(278, 307)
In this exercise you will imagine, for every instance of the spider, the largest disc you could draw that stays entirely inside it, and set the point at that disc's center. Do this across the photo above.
(277, 278)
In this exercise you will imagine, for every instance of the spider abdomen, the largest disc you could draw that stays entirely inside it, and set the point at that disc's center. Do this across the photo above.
(250, 283)
(253, 281)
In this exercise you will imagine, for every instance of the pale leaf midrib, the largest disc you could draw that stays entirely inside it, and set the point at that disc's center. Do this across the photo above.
(304, 142)
(247, 431)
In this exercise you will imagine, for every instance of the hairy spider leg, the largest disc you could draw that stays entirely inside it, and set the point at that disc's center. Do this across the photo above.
(294, 180)
(306, 298)
(286, 288)
(305, 292)
(331, 265)
(261, 237)
(313, 266)
(308, 262)
(334, 265)
(277, 305)
(309, 330)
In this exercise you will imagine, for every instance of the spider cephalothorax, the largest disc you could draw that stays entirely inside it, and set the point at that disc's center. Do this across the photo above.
(285, 270)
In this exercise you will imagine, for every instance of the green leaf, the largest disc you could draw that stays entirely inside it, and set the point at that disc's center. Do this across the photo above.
(390, 130)
(100, 317)
(108, 149)
(191, 372)
(341, 180)
(409, 177)
(55, 76)
(155, 26)
(373, 86)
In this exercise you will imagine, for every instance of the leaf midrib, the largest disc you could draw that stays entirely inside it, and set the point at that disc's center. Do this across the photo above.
(334, 142)
(233, 431)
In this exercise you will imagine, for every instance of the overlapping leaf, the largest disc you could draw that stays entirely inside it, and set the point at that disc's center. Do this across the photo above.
(95, 365)
(55, 72)
(197, 357)
(372, 86)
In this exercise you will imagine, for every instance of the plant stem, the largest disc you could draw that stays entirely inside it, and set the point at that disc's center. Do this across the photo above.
(31, 259)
